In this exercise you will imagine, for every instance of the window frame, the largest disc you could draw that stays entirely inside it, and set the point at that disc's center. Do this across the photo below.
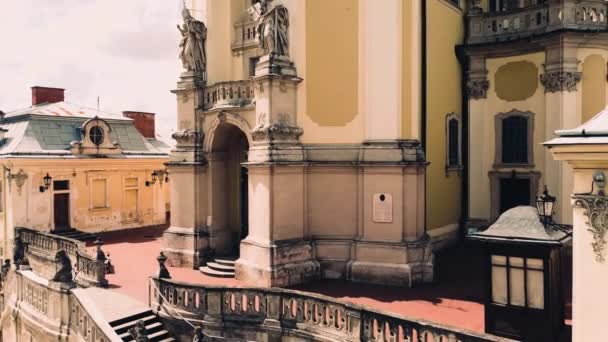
(498, 142)
(459, 165)
(106, 194)
(526, 268)
(125, 188)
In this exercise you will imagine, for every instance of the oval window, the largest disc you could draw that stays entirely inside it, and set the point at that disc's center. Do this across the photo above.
(96, 135)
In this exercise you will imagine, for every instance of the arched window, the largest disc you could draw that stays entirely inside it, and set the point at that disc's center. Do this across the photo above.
(514, 139)
(96, 135)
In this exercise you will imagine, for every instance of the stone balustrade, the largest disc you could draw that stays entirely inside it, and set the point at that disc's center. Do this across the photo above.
(583, 15)
(238, 311)
(43, 247)
(89, 324)
(228, 94)
(245, 36)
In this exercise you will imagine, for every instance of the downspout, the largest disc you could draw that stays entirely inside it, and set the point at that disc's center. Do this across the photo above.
(464, 192)
(423, 95)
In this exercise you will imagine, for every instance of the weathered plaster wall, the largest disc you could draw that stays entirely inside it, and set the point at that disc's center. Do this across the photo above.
(444, 96)
(34, 209)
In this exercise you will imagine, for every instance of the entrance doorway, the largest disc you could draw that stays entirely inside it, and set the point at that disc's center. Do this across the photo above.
(514, 192)
(229, 188)
(61, 211)
(61, 205)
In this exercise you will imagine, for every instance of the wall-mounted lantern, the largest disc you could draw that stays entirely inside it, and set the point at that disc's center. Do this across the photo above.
(46, 183)
(154, 178)
(524, 287)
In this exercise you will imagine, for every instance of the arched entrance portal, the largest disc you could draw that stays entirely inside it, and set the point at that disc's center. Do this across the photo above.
(228, 189)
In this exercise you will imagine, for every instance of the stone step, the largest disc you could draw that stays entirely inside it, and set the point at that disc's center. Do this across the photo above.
(120, 329)
(132, 318)
(213, 273)
(219, 267)
(228, 261)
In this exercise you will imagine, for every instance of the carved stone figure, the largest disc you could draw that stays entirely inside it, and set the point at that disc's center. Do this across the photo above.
(64, 268)
(100, 255)
(198, 335)
(138, 332)
(194, 35)
(477, 89)
(18, 251)
(272, 28)
(560, 81)
(163, 272)
(5, 268)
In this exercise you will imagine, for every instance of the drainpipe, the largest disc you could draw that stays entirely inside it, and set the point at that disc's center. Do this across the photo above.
(423, 95)
(464, 193)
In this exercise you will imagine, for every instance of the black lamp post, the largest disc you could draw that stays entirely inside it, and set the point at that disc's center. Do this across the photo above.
(47, 183)
(154, 177)
(544, 207)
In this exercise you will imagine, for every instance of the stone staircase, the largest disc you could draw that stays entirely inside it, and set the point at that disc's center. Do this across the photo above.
(222, 267)
(77, 235)
(154, 328)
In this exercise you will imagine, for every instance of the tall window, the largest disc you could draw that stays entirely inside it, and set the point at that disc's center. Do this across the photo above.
(518, 281)
(99, 194)
(515, 140)
(130, 199)
(453, 149)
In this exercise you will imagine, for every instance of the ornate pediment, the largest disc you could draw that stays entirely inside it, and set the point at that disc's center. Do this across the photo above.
(95, 139)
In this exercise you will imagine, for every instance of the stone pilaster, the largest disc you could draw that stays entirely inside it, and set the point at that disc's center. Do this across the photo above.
(187, 236)
(276, 252)
(561, 80)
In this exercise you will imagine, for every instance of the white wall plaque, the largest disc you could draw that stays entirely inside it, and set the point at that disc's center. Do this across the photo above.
(382, 208)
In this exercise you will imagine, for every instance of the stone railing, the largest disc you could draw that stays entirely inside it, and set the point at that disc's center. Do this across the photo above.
(228, 94)
(44, 246)
(88, 323)
(244, 36)
(310, 316)
(584, 15)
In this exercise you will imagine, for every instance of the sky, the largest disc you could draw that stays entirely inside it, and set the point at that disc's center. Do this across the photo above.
(123, 51)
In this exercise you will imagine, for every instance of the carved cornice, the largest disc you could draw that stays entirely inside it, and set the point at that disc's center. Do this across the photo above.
(560, 81)
(477, 89)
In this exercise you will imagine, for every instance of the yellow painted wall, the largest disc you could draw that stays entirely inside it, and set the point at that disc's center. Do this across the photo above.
(516, 81)
(444, 96)
(594, 86)
(91, 208)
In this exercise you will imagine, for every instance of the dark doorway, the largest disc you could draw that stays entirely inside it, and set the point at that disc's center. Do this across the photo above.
(514, 192)
(61, 209)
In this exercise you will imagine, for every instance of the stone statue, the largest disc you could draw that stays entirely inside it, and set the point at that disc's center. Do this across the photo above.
(163, 272)
(64, 268)
(19, 248)
(194, 35)
(272, 28)
(6, 267)
(138, 332)
(198, 335)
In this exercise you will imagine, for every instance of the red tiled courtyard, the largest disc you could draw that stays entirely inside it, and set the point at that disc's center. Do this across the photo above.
(454, 299)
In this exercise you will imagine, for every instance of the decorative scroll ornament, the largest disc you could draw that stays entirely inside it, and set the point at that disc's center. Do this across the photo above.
(281, 130)
(477, 89)
(595, 204)
(19, 179)
(186, 137)
(560, 81)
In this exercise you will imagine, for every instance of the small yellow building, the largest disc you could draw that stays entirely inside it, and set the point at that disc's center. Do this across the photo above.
(70, 167)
